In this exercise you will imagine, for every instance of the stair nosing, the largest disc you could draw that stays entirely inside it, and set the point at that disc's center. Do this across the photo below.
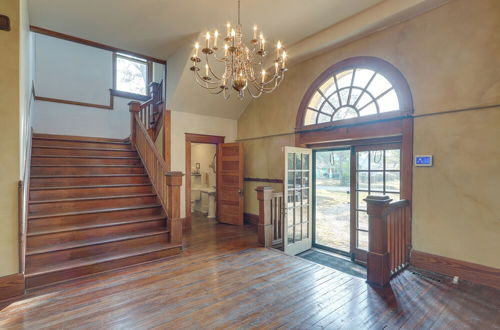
(89, 149)
(83, 157)
(99, 225)
(106, 210)
(86, 175)
(100, 241)
(81, 141)
(166, 246)
(77, 199)
(91, 186)
(87, 165)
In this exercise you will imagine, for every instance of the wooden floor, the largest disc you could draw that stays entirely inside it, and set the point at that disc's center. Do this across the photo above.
(223, 280)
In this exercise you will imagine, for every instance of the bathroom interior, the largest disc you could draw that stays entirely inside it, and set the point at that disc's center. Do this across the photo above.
(203, 179)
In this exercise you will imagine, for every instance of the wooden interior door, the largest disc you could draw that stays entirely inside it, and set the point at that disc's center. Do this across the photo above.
(230, 200)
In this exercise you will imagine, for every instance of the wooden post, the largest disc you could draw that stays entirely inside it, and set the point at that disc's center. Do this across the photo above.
(167, 129)
(174, 182)
(133, 107)
(265, 227)
(378, 263)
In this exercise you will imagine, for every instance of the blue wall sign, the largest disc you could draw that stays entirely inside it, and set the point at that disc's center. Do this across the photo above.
(423, 160)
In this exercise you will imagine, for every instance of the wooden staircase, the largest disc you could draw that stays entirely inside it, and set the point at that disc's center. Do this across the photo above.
(92, 208)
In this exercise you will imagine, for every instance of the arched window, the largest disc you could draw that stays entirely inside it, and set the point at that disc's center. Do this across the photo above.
(356, 89)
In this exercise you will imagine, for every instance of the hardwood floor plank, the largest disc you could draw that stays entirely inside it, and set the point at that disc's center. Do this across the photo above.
(224, 280)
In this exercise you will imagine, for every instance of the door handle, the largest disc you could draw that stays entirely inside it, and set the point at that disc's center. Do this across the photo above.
(241, 192)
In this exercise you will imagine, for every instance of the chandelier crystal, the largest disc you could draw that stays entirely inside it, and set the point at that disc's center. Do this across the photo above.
(242, 66)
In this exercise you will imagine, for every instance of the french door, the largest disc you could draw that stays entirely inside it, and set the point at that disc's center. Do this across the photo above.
(297, 195)
(376, 170)
(340, 218)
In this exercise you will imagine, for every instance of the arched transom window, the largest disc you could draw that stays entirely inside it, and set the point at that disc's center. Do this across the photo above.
(357, 87)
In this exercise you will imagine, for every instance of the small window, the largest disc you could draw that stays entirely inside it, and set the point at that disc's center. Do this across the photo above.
(131, 74)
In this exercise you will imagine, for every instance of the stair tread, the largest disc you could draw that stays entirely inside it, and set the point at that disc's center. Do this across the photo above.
(75, 263)
(52, 229)
(86, 165)
(89, 186)
(94, 241)
(99, 210)
(85, 176)
(84, 157)
(83, 148)
(76, 199)
(83, 139)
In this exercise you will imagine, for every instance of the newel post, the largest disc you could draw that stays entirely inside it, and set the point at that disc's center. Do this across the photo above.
(265, 227)
(378, 263)
(174, 182)
(133, 107)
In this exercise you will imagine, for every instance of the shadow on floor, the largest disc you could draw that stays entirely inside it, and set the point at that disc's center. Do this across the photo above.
(338, 263)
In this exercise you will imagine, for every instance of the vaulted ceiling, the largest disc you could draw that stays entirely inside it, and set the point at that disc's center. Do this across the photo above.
(158, 27)
(168, 28)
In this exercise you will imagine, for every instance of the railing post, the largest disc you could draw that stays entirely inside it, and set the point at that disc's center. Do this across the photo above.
(133, 107)
(378, 263)
(174, 182)
(265, 227)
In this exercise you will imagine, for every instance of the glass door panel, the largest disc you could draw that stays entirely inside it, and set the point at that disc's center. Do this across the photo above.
(332, 199)
(298, 163)
(377, 172)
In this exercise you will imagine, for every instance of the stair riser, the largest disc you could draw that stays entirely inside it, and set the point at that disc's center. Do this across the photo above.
(39, 195)
(37, 160)
(78, 144)
(40, 280)
(93, 170)
(73, 206)
(82, 152)
(56, 238)
(87, 181)
(89, 251)
(103, 217)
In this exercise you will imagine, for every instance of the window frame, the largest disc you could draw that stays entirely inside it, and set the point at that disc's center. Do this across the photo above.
(135, 96)
(391, 73)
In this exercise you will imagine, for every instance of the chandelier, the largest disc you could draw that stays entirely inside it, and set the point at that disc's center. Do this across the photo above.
(242, 67)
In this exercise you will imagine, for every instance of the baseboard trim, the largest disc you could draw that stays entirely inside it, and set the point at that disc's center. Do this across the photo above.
(11, 286)
(251, 219)
(468, 271)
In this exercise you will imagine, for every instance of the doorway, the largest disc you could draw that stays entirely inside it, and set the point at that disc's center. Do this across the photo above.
(342, 179)
(198, 176)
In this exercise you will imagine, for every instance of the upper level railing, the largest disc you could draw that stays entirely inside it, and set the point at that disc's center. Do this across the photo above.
(152, 110)
(165, 183)
(389, 238)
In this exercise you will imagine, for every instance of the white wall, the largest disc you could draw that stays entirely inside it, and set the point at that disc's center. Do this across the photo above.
(203, 153)
(70, 71)
(183, 122)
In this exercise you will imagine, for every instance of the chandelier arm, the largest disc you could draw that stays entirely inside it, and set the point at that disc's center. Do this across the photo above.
(210, 69)
(204, 84)
(204, 81)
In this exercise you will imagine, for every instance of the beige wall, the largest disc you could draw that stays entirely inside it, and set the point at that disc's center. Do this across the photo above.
(185, 122)
(451, 59)
(9, 137)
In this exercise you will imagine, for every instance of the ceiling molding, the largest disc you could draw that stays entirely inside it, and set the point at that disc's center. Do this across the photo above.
(90, 43)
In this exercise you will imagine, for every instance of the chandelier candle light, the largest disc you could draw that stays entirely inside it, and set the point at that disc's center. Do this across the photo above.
(243, 65)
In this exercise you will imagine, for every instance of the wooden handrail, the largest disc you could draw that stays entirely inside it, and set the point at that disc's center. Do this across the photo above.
(389, 238)
(165, 183)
